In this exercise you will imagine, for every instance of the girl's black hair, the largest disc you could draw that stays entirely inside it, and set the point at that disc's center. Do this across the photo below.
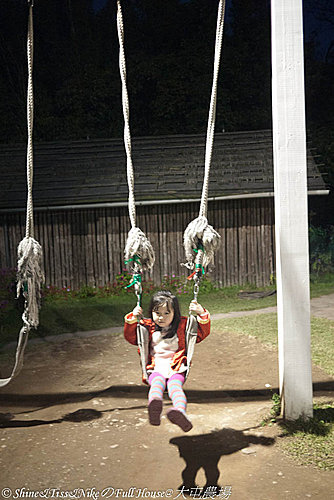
(164, 297)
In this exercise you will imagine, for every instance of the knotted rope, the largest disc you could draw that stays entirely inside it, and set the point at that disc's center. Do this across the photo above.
(199, 236)
(139, 253)
(29, 274)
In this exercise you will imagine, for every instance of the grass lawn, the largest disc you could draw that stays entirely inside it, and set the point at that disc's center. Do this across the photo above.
(308, 442)
(264, 328)
(67, 315)
(311, 442)
(70, 315)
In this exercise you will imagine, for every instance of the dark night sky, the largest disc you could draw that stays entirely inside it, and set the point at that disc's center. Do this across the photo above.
(99, 4)
(322, 32)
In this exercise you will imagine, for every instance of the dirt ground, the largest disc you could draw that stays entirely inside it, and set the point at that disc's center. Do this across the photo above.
(75, 420)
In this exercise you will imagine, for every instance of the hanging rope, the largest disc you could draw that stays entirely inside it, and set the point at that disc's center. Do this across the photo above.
(29, 274)
(139, 254)
(126, 114)
(212, 111)
(200, 239)
(30, 123)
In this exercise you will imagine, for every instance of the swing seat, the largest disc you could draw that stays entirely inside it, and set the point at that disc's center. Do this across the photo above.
(191, 338)
(143, 346)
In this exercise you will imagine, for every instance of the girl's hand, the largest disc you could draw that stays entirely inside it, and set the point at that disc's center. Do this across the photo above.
(138, 311)
(196, 308)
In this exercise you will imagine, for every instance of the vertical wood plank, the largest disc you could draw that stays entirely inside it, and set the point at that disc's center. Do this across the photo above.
(86, 246)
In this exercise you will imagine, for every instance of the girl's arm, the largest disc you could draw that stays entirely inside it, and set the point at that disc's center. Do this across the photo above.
(130, 325)
(204, 325)
(203, 320)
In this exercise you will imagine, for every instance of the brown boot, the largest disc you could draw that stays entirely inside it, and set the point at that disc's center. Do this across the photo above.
(154, 411)
(179, 418)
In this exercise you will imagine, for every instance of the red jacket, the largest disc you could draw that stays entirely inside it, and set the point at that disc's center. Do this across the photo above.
(180, 357)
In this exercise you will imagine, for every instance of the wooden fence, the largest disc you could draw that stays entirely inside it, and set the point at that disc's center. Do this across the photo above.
(85, 246)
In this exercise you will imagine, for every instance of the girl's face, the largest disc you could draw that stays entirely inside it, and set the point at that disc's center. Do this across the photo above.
(163, 315)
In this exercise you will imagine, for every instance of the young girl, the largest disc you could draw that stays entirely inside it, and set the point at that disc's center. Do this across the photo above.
(167, 361)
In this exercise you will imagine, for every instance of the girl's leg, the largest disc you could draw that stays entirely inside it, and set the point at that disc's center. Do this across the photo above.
(177, 415)
(175, 391)
(155, 396)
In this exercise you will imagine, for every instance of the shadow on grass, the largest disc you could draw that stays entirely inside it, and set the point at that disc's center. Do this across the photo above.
(320, 424)
(63, 323)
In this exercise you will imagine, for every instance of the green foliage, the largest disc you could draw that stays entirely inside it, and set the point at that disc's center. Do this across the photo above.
(321, 250)
(120, 286)
(176, 284)
(180, 285)
(121, 282)
(208, 286)
(7, 291)
(322, 285)
(7, 283)
(276, 408)
(272, 280)
(320, 424)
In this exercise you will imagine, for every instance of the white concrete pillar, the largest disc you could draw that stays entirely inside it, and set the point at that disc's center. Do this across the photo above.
(291, 211)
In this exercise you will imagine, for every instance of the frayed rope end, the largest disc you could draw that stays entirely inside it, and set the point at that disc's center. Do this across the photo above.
(30, 277)
(137, 244)
(198, 232)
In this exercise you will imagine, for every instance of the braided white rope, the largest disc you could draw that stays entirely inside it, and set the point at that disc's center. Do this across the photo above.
(212, 110)
(29, 274)
(30, 124)
(137, 243)
(126, 113)
(199, 231)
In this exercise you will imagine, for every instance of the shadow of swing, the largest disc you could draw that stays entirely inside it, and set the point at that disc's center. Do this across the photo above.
(8, 420)
(140, 392)
(204, 452)
(83, 415)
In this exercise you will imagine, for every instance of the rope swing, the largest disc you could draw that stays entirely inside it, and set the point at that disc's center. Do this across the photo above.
(200, 239)
(30, 275)
(139, 253)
